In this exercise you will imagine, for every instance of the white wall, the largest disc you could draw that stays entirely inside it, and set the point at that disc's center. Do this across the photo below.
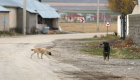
(136, 9)
(12, 17)
(119, 25)
(127, 25)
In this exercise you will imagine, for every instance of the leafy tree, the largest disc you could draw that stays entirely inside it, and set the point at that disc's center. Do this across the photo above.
(123, 7)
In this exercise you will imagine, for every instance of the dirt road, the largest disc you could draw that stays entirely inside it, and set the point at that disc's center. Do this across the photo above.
(92, 67)
(67, 63)
(15, 62)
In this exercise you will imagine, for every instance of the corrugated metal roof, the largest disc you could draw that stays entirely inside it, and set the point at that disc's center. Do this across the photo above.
(3, 9)
(9, 3)
(32, 6)
(49, 14)
(45, 11)
(28, 5)
(40, 6)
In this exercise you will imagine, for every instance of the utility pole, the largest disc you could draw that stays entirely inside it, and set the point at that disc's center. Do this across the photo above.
(24, 17)
(98, 16)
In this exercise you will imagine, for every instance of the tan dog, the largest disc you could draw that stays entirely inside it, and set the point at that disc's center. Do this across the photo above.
(42, 51)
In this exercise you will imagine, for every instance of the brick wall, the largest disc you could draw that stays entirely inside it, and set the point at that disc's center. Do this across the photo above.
(134, 28)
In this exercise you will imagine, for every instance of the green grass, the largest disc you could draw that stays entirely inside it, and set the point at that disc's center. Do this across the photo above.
(129, 54)
(93, 43)
(98, 51)
(123, 53)
(109, 37)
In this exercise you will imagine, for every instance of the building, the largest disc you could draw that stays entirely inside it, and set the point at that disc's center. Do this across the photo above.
(74, 18)
(12, 7)
(102, 17)
(4, 13)
(38, 15)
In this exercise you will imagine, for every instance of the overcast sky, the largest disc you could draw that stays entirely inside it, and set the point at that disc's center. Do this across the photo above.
(76, 1)
(76, 4)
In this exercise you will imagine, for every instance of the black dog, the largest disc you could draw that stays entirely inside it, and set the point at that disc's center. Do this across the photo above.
(106, 51)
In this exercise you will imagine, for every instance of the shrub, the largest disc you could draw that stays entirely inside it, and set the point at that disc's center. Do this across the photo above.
(95, 36)
(127, 41)
(115, 33)
(102, 36)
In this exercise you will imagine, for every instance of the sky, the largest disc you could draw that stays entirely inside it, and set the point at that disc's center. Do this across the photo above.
(76, 4)
(76, 1)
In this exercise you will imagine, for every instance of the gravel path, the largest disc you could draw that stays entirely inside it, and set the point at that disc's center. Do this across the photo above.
(93, 67)
(15, 62)
(66, 63)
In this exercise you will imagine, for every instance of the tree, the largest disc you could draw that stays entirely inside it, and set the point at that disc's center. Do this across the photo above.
(123, 7)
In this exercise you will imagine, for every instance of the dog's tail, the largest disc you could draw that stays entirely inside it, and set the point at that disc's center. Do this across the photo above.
(32, 49)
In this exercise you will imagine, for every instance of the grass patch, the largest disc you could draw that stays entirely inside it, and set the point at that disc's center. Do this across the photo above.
(107, 37)
(98, 51)
(119, 49)
(117, 53)
(126, 53)
(93, 43)
(7, 33)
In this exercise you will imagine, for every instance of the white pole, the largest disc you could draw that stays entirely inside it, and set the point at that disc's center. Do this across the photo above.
(24, 17)
(104, 17)
(98, 16)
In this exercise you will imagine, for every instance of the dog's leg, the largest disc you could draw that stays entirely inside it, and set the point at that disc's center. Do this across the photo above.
(41, 55)
(32, 55)
(38, 55)
(47, 56)
(104, 56)
(108, 58)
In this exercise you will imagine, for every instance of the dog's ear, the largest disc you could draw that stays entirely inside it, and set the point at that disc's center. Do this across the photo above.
(104, 42)
(50, 53)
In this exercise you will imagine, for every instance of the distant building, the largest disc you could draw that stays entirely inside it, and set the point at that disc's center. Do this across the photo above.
(89, 17)
(74, 18)
(102, 17)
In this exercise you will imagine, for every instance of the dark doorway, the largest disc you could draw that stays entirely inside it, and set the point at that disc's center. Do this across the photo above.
(49, 23)
(39, 19)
